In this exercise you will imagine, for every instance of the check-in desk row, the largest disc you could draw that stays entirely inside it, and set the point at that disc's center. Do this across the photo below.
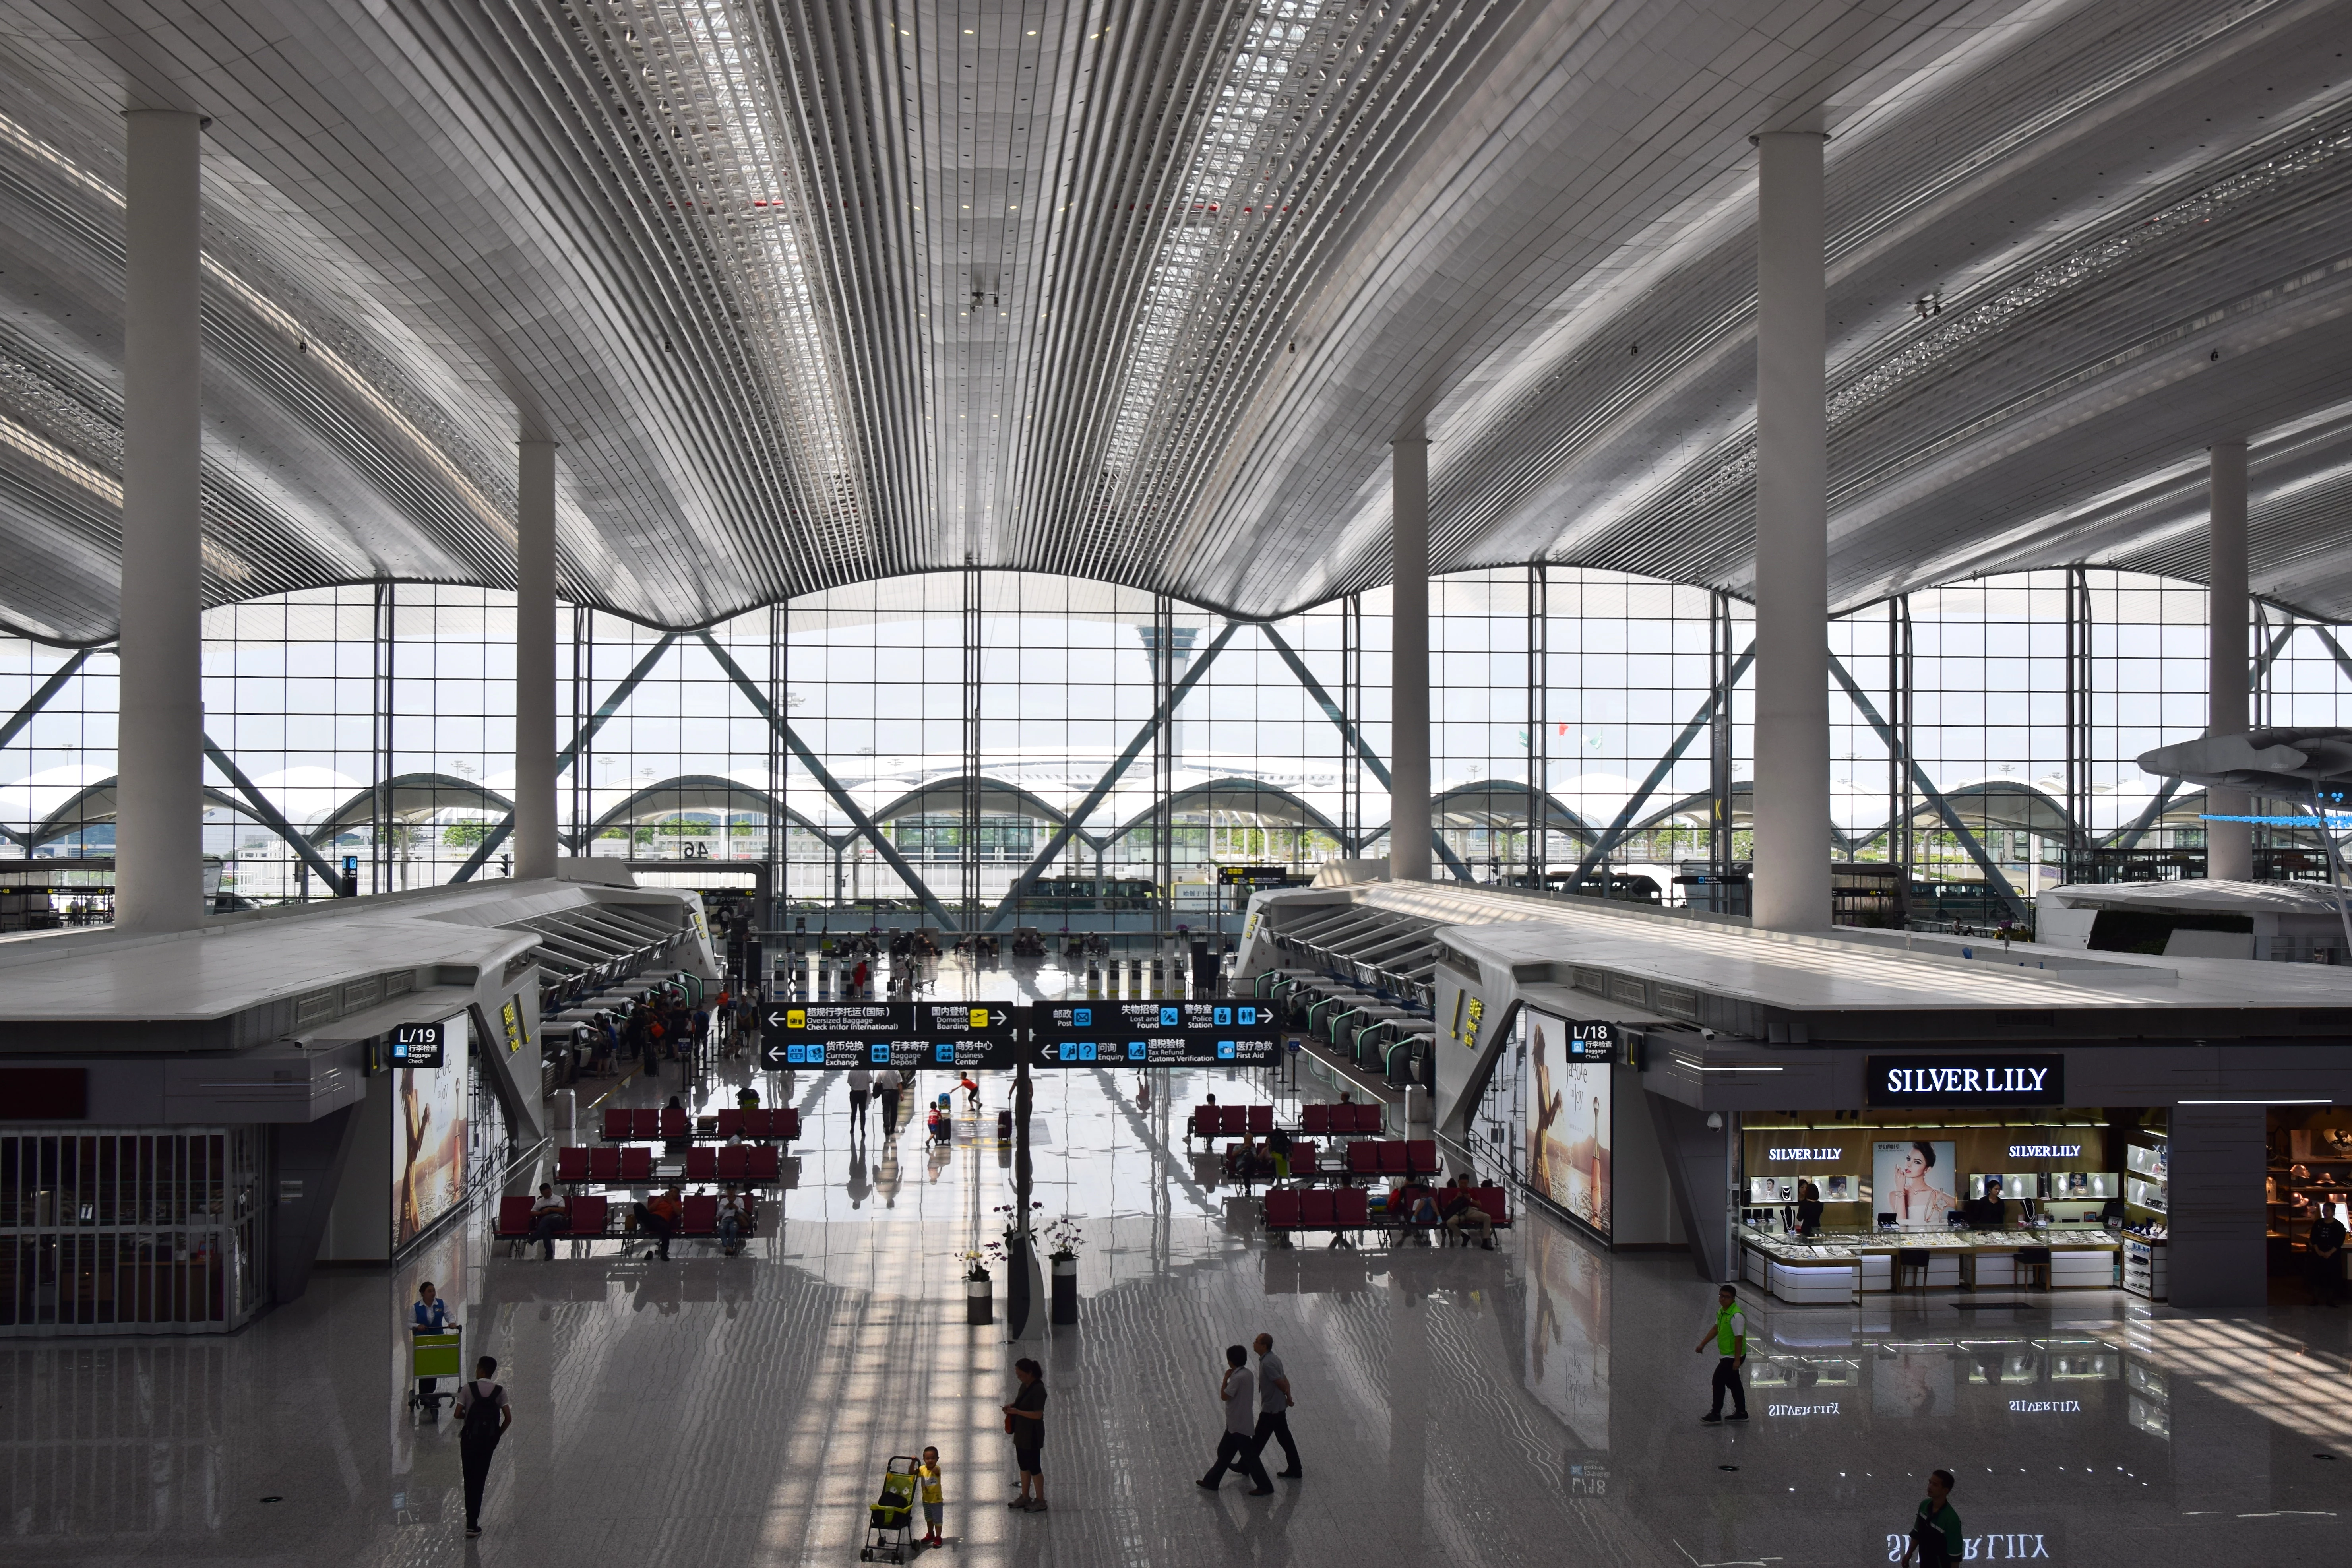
(1837, 1267)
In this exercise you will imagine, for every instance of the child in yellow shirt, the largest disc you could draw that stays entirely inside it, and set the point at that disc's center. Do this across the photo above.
(934, 1504)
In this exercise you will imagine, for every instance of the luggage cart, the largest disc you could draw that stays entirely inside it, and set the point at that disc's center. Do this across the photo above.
(892, 1515)
(438, 1354)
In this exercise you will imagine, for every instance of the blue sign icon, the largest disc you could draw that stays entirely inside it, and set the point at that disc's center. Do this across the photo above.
(1224, 1050)
(1135, 1052)
(1168, 1018)
(1249, 1016)
(946, 1054)
(1575, 1048)
(1086, 1051)
(881, 1053)
(1225, 1017)
(1069, 1050)
(1083, 1016)
(797, 1053)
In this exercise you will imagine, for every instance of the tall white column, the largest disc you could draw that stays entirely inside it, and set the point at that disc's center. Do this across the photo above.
(159, 866)
(1408, 825)
(535, 830)
(1791, 889)
(2229, 845)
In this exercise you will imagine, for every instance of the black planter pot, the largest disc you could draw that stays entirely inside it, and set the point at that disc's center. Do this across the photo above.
(1065, 1295)
(980, 1301)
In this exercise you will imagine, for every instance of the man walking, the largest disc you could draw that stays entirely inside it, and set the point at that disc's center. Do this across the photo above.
(1937, 1538)
(1274, 1409)
(1234, 1449)
(1729, 1336)
(861, 1088)
(486, 1414)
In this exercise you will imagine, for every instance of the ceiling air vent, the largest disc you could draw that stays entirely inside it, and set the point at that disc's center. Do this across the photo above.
(361, 993)
(314, 1006)
(1626, 988)
(1676, 1001)
(399, 982)
(1592, 981)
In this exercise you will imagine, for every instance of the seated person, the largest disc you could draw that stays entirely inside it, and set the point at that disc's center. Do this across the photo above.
(1414, 1206)
(548, 1216)
(1986, 1211)
(1277, 1148)
(733, 1221)
(1463, 1215)
(747, 1099)
(660, 1216)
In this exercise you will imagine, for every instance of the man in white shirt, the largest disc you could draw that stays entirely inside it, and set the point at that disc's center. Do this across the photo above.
(861, 1088)
(1274, 1408)
(1234, 1451)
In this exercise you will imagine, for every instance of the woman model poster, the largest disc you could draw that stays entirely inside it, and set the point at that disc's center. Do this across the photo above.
(1542, 1112)
(1914, 1182)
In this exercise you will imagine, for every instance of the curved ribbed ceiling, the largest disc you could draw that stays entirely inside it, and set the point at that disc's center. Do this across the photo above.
(1140, 291)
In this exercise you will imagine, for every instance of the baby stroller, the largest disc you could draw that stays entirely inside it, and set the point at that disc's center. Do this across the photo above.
(892, 1514)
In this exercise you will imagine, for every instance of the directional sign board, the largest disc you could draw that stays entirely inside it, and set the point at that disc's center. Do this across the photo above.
(888, 1034)
(1153, 1034)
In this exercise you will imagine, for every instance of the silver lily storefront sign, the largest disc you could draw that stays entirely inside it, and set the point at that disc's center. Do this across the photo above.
(1978, 1079)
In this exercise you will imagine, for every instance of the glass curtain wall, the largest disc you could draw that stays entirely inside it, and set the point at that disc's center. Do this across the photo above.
(919, 748)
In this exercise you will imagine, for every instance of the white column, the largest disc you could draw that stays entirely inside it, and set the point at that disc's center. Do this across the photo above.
(535, 830)
(1409, 660)
(159, 869)
(1793, 716)
(2229, 845)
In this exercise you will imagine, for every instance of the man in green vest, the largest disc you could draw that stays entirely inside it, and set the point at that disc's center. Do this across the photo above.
(1730, 1337)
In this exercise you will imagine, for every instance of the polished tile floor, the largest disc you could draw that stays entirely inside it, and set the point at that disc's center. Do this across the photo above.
(1529, 1405)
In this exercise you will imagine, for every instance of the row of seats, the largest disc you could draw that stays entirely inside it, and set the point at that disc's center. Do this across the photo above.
(1393, 1157)
(635, 1165)
(625, 1125)
(1342, 1119)
(1232, 1121)
(591, 1216)
(1349, 1208)
(1322, 1118)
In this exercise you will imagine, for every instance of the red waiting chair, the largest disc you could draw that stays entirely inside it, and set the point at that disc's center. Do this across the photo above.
(1315, 1208)
(588, 1215)
(644, 1121)
(1363, 1159)
(734, 1162)
(730, 1124)
(1393, 1152)
(702, 1165)
(1282, 1210)
(1421, 1156)
(636, 1164)
(1261, 1120)
(571, 1164)
(1303, 1156)
(514, 1215)
(1495, 1201)
(673, 1123)
(701, 1215)
(766, 1163)
(604, 1165)
(616, 1124)
(1350, 1209)
(787, 1122)
(1316, 1118)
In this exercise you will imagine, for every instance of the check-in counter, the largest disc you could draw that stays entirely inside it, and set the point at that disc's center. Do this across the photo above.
(2080, 1259)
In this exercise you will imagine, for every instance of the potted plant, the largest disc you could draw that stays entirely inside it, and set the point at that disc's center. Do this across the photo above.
(979, 1284)
(1062, 1238)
